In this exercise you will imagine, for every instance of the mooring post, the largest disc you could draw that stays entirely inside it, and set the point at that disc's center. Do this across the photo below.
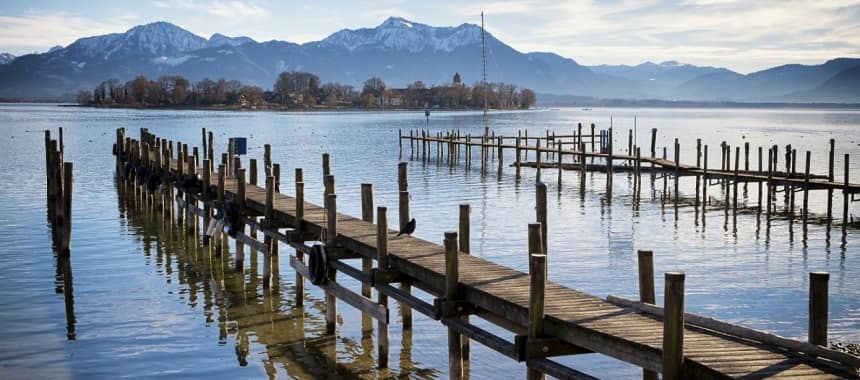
(673, 326)
(367, 216)
(677, 168)
(646, 291)
(698, 165)
(582, 168)
(276, 172)
(331, 244)
(770, 165)
(537, 288)
(518, 162)
(609, 162)
(592, 138)
(267, 159)
(452, 281)
(735, 181)
(240, 197)
(464, 244)
(830, 178)
(760, 170)
(66, 237)
(203, 136)
(211, 146)
(540, 208)
(845, 197)
(300, 216)
(559, 167)
(526, 135)
(818, 307)
(382, 263)
(806, 187)
(638, 185)
(653, 148)
(252, 171)
(537, 160)
(501, 156)
(268, 216)
(403, 186)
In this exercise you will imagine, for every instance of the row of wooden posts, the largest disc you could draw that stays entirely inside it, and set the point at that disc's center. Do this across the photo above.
(726, 176)
(59, 176)
(450, 305)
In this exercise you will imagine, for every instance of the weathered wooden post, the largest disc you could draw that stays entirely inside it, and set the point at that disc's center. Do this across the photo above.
(517, 161)
(735, 181)
(592, 138)
(582, 168)
(240, 198)
(806, 188)
(770, 165)
(267, 159)
(367, 216)
(501, 156)
(831, 178)
(300, 216)
(452, 283)
(609, 168)
(673, 326)
(403, 186)
(268, 216)
(646, 291)
(464, 244)
(677, 168)
(653, 148)
(537, 160)
(211, 146)
(331, 244)
(382, 263)
(540, 210)
(559, 167)
(845, 197)
(537, 288)
(818, 307)
(760, 170)
(66, 228)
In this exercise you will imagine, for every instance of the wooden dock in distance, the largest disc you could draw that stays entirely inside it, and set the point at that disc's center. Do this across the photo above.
(546, 319)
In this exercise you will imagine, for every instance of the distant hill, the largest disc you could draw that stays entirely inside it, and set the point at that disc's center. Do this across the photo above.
(400, 52)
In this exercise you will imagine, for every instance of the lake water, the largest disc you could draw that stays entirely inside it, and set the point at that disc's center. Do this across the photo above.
(148, 304)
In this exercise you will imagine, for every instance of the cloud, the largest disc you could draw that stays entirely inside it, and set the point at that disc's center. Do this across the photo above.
(39, 30)
(229, 10)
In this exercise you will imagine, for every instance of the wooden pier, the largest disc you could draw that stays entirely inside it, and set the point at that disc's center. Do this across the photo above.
(588, 151)
(545, 319)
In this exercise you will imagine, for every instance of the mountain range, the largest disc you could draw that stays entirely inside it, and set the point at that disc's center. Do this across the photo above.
(400, 52)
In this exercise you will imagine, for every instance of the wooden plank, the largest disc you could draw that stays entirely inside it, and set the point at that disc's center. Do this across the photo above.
(748, 333)
(368, 306)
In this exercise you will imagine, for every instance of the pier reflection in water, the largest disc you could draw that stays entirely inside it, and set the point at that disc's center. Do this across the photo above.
(258, 321)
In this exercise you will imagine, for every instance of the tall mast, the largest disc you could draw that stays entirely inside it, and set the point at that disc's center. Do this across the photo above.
(484, 80)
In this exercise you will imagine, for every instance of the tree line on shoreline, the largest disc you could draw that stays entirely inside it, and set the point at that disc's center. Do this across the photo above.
(302, 90)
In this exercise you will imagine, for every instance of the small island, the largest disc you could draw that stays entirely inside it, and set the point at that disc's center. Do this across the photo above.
(298, 90)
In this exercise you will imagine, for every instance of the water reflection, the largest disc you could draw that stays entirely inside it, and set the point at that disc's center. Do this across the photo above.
(251, 316)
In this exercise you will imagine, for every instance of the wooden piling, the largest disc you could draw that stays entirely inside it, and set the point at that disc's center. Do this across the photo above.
(770, 165)
(267, 159)
(559, 167)
(537, 160)
(677, 169)
(845, 197)
(240, 198)
(760, 169)
(66, 228)
(831, 178)
(268, 222)
(646, 291)
(300, 216)
(653, 146)
(452, 282)
(464, 245)
(382, 263)
(673, 326)
(518, 162)
(501, 155)
(367, 216)
(537, 288)
(818, 307)
(331, 246)
(540, 209)
(403, 203)
(806, 188)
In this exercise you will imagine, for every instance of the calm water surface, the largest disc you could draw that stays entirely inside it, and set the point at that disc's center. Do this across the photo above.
(149, 303)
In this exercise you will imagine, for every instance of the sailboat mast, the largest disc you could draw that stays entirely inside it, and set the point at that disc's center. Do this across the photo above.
(484, 80)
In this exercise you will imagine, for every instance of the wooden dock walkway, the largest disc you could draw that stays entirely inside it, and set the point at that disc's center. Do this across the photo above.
(546, 318)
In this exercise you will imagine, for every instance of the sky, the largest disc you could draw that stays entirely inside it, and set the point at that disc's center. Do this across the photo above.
(743, 36)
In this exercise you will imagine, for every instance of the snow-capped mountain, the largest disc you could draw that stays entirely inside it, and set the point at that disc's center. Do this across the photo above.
(219, 39)
(150, 40)
(6, 58)
(400, 52)
(400, 34)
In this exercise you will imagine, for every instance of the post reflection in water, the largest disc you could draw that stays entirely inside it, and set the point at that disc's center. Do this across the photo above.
(264, 325)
